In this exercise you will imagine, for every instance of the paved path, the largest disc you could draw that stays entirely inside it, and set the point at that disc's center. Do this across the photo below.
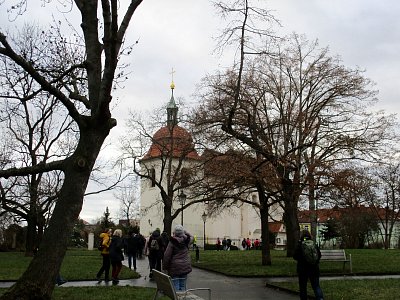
(222, 287)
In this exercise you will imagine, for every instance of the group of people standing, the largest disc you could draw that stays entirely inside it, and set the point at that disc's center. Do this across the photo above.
(170, 254)
(247, 244)
(226, 244)
(113, 247)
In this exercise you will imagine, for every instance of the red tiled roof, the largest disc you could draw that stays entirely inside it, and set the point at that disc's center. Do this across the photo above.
(175, 139)
(334, 213)
(275, 227)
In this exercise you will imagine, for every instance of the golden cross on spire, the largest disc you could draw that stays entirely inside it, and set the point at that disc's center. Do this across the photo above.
(172, 81)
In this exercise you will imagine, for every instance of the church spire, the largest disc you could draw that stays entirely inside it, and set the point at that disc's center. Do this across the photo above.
(172, 109)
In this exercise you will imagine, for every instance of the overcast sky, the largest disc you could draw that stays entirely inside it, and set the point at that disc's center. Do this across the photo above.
(179, 34)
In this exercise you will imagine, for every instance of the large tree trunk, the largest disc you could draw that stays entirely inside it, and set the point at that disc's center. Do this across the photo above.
(38, 280)
(30, 240)
(265, 245)
(312, 206)
(290, 218)
(167, 219)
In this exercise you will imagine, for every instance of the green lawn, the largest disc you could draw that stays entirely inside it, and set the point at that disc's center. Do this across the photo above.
(233, 263)
(77, 265)
(365, 262)
(382, 289)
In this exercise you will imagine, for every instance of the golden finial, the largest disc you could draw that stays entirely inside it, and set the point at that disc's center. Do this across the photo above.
(172, 81)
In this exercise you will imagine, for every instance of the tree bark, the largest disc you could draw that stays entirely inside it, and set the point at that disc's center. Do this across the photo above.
(265, 245)
(290, 218)
(167, 219)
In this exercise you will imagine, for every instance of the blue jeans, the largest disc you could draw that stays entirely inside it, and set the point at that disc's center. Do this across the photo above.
(179, 282)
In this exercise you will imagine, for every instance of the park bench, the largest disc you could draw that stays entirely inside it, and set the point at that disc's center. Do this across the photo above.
(165, 287)
(338, 255)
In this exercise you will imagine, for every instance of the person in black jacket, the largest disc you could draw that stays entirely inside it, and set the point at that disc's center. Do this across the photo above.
(116, 254)
(131, 246)
(155, 248)
(307, 270)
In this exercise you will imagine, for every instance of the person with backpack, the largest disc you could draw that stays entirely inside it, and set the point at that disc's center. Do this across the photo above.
(155, 249)
(105, 241)
(176, 260)
(307, 254)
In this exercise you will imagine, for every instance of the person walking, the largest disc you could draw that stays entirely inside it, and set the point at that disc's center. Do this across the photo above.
(248, 244)
(194, 242)
(224, 244)
(244, 244)
(307, 254)
(155, 249)
(176, 260)
(218, 244)
(105, 253)
(131, 246)
(228, 244)
(116, 255)
(142, 243)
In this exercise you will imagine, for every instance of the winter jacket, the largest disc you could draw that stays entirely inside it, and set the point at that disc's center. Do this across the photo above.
(106, 240)
(116, 247)
(131, 244)
(156, 253)
(176, 257)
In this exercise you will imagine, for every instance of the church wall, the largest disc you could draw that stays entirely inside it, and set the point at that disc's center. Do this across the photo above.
(236, 223)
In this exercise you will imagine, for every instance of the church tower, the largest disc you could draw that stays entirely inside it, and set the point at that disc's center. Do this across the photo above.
(171, 158)
(170, 155)
(172, 109)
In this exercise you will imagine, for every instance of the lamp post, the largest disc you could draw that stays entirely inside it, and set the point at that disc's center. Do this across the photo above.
(204, 217)
(182, 200)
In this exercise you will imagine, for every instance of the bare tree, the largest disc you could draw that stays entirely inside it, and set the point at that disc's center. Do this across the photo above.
(90, 111)
(129, 198)
(33, 131)
(275, 104)
(386, 203)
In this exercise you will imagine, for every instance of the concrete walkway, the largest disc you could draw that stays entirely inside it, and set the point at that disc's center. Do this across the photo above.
(222, 287)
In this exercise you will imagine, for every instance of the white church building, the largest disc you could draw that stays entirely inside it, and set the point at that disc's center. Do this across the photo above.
(236, 223)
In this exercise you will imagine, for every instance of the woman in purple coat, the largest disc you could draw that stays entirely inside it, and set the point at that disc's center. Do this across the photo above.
(177, 259)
